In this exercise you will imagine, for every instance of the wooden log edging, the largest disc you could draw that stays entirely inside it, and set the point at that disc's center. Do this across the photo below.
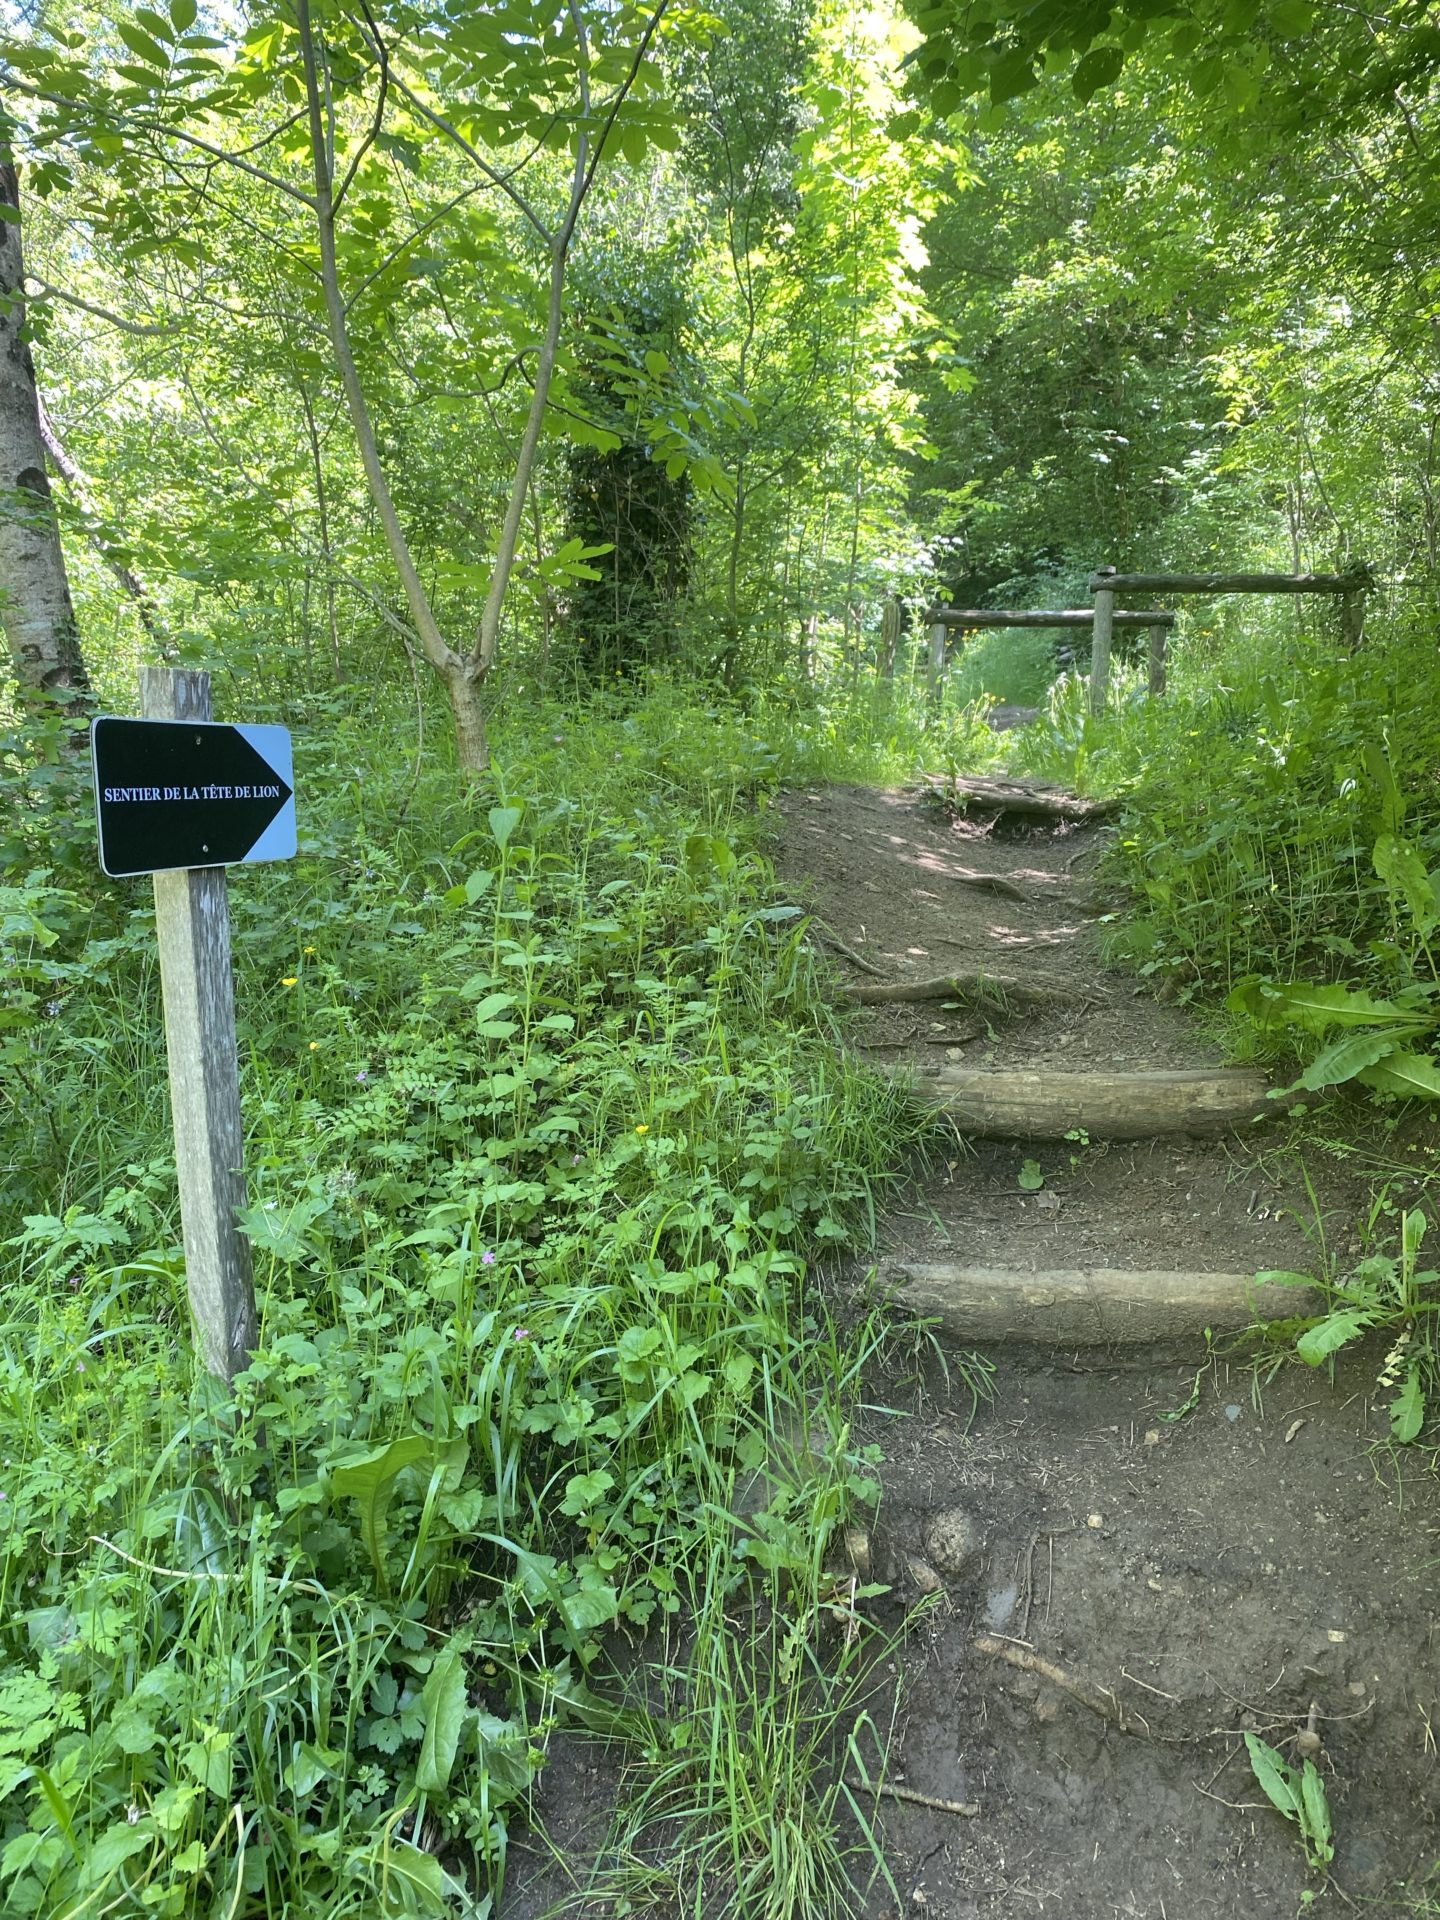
(1039, 1105)
(1090, 1306)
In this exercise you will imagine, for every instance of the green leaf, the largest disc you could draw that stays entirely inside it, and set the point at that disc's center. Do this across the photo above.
(1301, 1004)
(1336, 1330)
(1405, 873)
(1415, 1075)
(183, 14)
(1392, 801)
(369, 1481)
(1242, 86)
(1030, 1178)
(585, 1490)
(1010, 76)
(1275, 1778)
(739, 1371)
(590, 1606)
(210, 1762)
(142, 46)
(1344, 1058)
(1101, 67)
(1315, 1817)
(312, 1764)
(1407, 1409)
(444, 1705)
(503, 822)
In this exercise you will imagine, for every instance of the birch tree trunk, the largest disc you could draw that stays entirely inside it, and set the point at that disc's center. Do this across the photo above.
(35, 606)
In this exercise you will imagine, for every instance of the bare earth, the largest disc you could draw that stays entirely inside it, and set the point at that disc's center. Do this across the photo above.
(1202, 1571)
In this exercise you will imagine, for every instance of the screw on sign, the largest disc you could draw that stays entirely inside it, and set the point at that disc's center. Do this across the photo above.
(179, 797)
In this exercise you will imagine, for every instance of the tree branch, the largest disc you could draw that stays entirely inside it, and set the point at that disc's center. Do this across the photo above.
(473, 154)
(482, 655)
(141, 332)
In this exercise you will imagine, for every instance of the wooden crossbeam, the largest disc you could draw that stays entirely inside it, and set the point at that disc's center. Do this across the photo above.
(1042, 617)
(1357, 582)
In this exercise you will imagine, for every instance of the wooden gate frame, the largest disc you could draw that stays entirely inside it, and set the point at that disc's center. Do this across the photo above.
(967, 619)
(1106, 585)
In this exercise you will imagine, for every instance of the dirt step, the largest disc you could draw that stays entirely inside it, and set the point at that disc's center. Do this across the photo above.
(1105, 1106)
(1089, 1306)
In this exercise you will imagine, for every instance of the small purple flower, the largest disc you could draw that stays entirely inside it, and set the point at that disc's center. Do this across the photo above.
(522, 1333)
(362, 1076)
(487, 1258)
(73, 1282)
(574, 1159)
(79, 1366)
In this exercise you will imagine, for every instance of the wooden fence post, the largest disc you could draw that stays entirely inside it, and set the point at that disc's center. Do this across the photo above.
(937, 657)
(1352, 618)
(1157, 638)
(1100, 645)
(889, 637)
(192, 923)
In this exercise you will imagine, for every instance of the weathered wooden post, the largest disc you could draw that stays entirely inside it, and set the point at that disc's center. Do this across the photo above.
(937, 657)
(1352, 618)
(889, 637)
(192, 926)
(1100, 643)
(180, 798)
(1156, 681)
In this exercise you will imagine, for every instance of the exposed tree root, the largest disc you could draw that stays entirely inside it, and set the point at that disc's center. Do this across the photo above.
(1098, 1699)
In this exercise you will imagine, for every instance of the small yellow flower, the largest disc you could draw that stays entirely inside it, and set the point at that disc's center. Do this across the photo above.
(307, 949)
(288, 981)
(642, 1129)
(314, 1046)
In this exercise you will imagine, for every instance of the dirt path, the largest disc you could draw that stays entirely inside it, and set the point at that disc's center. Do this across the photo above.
(1216, 1550)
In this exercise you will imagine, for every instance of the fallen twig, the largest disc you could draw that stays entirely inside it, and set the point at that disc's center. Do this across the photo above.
(966, 1809)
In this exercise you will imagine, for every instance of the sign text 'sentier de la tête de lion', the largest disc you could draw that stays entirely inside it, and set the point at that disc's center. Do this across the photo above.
(191, 793)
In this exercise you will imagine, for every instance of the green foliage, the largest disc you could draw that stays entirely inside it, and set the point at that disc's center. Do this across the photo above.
(1390, 1293)
(1298, 1793)
(546, 1119)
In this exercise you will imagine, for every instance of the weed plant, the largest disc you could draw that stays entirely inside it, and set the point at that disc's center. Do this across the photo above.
(545, 1119)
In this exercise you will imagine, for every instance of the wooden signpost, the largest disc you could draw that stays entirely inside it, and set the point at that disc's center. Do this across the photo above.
(171, 797)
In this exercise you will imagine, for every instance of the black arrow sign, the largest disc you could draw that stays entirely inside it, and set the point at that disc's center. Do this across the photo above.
(190, 793)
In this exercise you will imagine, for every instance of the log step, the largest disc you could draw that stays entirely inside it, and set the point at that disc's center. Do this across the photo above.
(1038, 1105)
(1033, 799)
(1090, 1306)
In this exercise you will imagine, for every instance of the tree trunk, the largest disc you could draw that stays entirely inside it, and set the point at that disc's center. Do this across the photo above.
(472, 746)
(35, 606)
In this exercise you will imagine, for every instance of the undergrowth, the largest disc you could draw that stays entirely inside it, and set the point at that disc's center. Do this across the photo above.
(545, 1121)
